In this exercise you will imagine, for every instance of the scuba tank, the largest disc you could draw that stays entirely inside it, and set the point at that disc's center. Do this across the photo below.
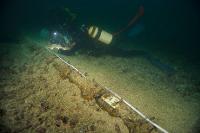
(100, 35)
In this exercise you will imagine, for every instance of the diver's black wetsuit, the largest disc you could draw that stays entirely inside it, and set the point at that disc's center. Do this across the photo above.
(60, 21)
(90, 47)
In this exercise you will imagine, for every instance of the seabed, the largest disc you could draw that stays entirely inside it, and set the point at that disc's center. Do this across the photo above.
(39, 93)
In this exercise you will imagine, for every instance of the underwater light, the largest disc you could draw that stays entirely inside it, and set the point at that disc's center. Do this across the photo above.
(55, 33)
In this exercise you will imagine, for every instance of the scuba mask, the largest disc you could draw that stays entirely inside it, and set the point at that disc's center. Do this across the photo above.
(61, 41)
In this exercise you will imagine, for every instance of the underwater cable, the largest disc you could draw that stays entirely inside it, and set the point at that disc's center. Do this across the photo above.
(66, 62)
(115, 94)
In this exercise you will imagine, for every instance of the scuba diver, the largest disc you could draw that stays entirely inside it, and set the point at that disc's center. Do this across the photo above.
(68, 38)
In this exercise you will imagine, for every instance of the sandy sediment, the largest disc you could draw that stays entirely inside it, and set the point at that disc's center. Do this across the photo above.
(172, 101)
(41, 94)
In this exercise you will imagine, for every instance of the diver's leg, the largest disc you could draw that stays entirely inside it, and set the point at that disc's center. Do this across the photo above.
(139, 53)
(125, 53)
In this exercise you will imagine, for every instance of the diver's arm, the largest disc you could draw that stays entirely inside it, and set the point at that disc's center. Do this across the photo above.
(71, 51)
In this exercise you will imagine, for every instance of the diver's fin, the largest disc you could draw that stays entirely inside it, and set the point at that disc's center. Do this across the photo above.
(136, 30)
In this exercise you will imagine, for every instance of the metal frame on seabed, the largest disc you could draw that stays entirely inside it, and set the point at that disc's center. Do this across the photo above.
(115, 94)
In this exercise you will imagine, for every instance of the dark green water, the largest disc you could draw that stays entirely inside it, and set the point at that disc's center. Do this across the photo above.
(168, 27)
(168, 30)
(165, 21)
